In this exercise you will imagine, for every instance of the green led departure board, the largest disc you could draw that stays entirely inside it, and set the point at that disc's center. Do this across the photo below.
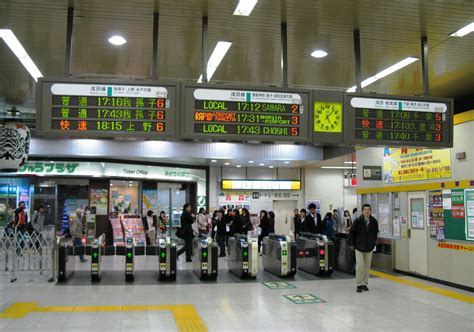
(104, 109)
(398, 121)
(238, 113)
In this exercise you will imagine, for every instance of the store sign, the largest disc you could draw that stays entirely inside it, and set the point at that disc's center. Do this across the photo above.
(105, 109)
(398, 121)
(404, 164)
(97, 169)
(261, 185)
(372, 173)
(258, 114)
(456, 246)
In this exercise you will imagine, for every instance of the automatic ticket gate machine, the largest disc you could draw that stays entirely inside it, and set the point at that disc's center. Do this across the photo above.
(315, 253)
(96, 258)
(65, 258)
(243, 256)
(129, 260)
(279, 255)
(205, 257)
(166, 259)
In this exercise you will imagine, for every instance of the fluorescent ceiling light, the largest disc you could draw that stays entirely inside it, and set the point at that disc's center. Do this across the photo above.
(464, 31)
(350, 162)
(287, 162)
(216, 57)
(213, 161)
(9, 37)
(227, 164)
(117, 40)
(251, 161)
(336, 167)
(271, 166)
(262, 164)
(319, 54)
(385, 72)
(238, 166)
(245, 7)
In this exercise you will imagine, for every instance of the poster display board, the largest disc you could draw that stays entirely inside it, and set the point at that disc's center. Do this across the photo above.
(385, 120)
(117, 231)
(436, 214)
(404, 164)
(133, 228)
(104, 108)
(469, 201)
(259, 114)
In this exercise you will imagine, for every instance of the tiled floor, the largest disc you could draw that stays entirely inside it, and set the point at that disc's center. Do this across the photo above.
(242, 307)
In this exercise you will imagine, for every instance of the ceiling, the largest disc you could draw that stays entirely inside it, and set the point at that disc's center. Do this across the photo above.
(390, 31)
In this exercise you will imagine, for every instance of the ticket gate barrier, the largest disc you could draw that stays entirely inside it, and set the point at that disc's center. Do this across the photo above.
(96, 258)
(344, 255)
(279, 255)
(65, 259)
(315, 253)
(205, 257)
(166, 259)
(129, 260)
(243, 256)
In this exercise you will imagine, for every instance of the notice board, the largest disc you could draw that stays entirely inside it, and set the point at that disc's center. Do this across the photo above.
(456, 208)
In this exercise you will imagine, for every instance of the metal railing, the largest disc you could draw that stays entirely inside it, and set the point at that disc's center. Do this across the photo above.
(27, 253)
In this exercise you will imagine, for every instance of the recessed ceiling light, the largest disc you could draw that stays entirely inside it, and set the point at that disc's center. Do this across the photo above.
(463, 31)
(213, 161)
(227, 164)
(319, 54)
(251, 161)
(287, 162)
(238, 166)
(385, 72)
(14, 44)
(245, 7)
(117, 40)
(271, 166)
(261, 164)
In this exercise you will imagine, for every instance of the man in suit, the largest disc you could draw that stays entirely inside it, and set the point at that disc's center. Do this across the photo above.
(313, 223)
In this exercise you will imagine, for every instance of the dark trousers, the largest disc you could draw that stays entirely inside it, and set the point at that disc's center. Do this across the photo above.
(188, 246)
(221, 241)
(260, 239)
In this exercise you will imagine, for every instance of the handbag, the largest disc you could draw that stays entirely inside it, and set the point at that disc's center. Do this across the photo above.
(259, 231)
(180, 233)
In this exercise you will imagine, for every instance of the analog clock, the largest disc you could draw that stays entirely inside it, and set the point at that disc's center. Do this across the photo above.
(327, 117)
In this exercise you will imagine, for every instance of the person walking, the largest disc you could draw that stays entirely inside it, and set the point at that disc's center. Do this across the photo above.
(75, 229)
(296, 223)
(20, 222)
(149, 225)
(187, 221)
(347, 221)
(312, 222)
(162, 223)
(221, 232)
(246, 222)
(264, 228)
(362, 238)
(330, 225)
(201, 219)
(271, 222)
(236, 226)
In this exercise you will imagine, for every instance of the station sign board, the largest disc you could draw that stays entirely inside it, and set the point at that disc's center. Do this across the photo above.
(243, 113)
(382, 120)
(104, 108)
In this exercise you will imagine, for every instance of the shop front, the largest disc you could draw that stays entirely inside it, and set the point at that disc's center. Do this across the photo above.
(68, 188)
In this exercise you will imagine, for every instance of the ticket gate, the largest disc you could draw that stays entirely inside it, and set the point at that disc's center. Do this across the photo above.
(205, 251)
(344, 255)
(96, 258)
(243, 256)
(279, 255)
(166, 259)
(129, 260)
(315, 253)
(65, 259)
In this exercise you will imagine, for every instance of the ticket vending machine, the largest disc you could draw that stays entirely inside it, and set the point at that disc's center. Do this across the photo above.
(279, 255)
(96, 273)
(315, 254)
(205, 257)
(129, 260)
(243, 256)
(166, 259)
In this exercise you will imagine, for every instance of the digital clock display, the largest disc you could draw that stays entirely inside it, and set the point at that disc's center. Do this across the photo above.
(103, 109)
(260, 114)
(394, 121)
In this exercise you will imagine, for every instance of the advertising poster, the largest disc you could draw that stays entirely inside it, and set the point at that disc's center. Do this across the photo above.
(469, 201)
(404, 228)
(150, 200)
(396, 227)
(435, 212)
(447, 199)
(403, 164)
(457, 204)
(417, 220)
(99, 200)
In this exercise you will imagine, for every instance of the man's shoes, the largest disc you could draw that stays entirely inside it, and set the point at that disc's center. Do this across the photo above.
(188, 260)
(359, 289)
(364, 287)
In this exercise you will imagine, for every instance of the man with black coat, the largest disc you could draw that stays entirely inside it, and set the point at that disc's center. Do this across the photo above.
(313, 223)
(221, 232)
(362, 239)
(187, 221)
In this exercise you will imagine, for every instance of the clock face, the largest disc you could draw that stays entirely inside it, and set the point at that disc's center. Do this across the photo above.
(327, 117)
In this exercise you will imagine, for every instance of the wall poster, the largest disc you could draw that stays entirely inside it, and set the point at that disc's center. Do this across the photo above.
(436, 214)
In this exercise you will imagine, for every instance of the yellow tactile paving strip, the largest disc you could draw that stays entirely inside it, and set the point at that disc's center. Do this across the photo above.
(185, 315)
(426, 287)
